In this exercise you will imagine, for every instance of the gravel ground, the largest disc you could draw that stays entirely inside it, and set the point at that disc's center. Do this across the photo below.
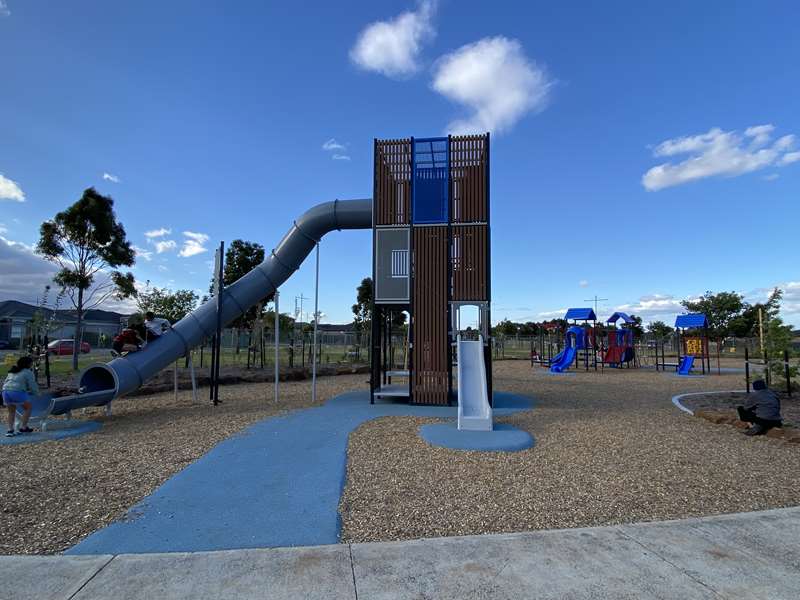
(610, 448)
(55, 493)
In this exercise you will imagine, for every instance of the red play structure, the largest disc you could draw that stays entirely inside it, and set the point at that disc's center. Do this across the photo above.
(620, 341)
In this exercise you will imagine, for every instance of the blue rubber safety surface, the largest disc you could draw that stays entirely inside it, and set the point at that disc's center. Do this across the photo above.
(277, 483)
(503, 438)
(56, 430)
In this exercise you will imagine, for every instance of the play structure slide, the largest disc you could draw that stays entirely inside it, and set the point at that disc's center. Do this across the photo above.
(102, 382)
(563, 363)
(685, 366)
(474, 412)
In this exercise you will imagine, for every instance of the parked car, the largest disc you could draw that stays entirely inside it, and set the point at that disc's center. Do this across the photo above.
(4, 345)
(64, 347)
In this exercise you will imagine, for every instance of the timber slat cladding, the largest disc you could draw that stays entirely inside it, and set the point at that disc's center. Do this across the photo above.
(430, 315)
(468, 179)
(392, 182)
(469, 262)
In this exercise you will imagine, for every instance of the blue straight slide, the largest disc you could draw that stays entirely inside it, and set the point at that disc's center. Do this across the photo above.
(564, 362)
(686, 365)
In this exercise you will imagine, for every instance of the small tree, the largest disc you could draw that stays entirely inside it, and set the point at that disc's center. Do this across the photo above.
(167, 304)
(241, 257)
(721, 310)
(636, 326)
(362, 309)
(88, 243)
(659, 329)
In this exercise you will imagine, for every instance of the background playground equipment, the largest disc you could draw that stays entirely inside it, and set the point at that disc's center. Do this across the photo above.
(621, 349)
(692, 332)
(431, 251)
(579, 342)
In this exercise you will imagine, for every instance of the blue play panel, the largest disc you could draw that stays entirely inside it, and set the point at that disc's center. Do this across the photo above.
(57, 429)
(503, 438)
(277, 483)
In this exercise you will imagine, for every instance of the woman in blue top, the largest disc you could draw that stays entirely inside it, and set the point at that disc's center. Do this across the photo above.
(18, 384)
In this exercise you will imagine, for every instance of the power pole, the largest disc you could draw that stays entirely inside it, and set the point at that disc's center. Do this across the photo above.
(596, 300)
(298, 306)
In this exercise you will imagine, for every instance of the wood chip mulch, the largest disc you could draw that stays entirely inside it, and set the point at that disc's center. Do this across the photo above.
(610, 448)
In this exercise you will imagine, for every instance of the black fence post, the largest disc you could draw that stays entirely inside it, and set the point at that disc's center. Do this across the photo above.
(787, 372)
(747, 368)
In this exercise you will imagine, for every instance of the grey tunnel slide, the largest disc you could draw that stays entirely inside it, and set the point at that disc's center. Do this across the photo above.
(102, 382)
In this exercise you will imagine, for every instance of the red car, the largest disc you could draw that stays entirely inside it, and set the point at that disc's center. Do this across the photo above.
(64, 347)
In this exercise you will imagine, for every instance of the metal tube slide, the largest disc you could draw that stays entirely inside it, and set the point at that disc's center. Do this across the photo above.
(123, 375)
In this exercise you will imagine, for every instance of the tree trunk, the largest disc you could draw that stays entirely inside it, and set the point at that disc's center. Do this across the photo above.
(76, 339)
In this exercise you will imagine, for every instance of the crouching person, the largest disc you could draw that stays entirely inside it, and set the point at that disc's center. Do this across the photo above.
(762, 409)
(19, 383)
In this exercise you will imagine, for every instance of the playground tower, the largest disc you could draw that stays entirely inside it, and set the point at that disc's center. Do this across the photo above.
(431, 258)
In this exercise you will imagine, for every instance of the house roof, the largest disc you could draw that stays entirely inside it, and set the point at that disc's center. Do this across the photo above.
(691, 321)
(21, 310)
(581, 314)
(620, 315)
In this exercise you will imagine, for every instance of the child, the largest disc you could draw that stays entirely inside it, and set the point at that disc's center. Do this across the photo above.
(18, 384)
(131, 338)
(155, 326)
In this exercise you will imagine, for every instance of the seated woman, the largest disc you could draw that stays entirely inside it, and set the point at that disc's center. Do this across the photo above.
(762, 409)
(19, 383)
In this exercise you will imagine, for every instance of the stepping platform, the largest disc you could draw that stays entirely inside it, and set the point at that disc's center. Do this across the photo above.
(394, 390)
(502, 438)
(57, 429)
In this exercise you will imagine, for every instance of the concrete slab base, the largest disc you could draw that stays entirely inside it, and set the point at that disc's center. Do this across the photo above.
(47, 577)
(321, 573)
(750, 556)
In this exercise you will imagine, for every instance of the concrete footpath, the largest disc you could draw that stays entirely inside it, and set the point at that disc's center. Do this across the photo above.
(748, 555)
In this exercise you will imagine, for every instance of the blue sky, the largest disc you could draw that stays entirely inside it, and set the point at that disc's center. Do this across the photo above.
(639, 150)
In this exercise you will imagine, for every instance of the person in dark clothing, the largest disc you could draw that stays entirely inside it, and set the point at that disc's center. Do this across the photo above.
(762, 409)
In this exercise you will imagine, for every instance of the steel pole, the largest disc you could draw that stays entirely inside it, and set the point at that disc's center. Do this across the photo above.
(277, 344)
(316, 322)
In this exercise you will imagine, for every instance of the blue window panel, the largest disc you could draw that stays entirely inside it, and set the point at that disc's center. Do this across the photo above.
(431, 180)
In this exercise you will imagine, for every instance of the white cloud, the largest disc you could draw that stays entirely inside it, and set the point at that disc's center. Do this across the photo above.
(110, 177)
(3, 228)
(162, 268)
(143, 253)
(719, 153)
(165, 246)
(770, 177)
(193, 244)
(336, 149)
(156, 233)
(4, 12)
(583, 283)
(332, 144)
(10, 190)
(654, 307)
(393, 47)
(25, 274)
(553, 314)
(789, 158)
(495, 80)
